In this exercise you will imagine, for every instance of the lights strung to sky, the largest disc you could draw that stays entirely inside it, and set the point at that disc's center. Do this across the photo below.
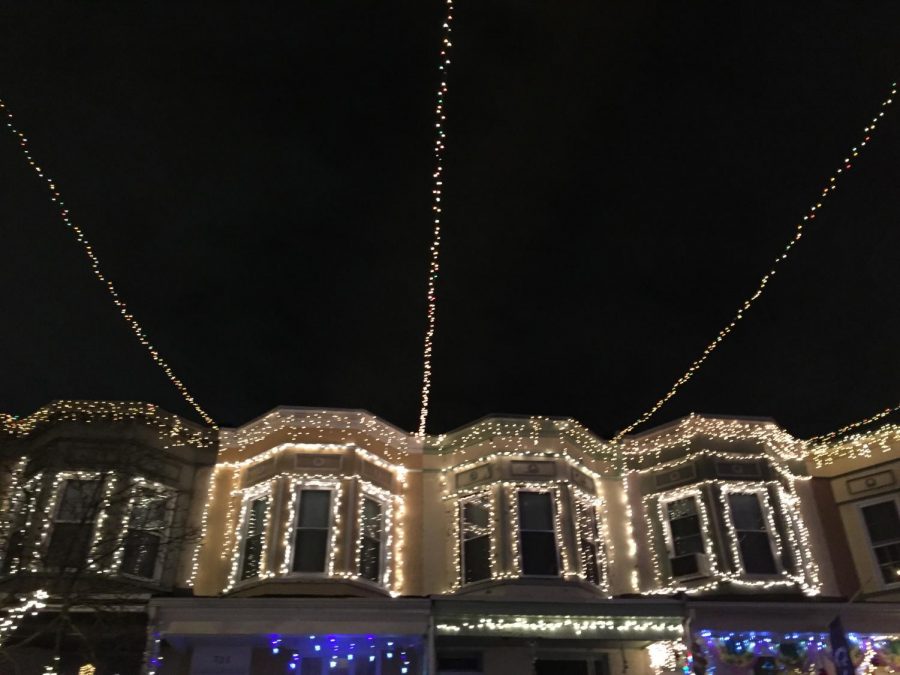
(82, 239)
(437, 191)
(810, 215)
(854, 425)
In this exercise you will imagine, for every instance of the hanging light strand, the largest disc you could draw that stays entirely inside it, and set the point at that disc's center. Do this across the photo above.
(810, 215)
(437, 190)
(82, 239)
(854, 425)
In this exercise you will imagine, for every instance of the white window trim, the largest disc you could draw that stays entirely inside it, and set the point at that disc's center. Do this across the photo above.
(385, 500)
(561, 566)
(247, 497)
(873, 559)
(487, 496)
(761, 492)
(169, 494)
(709, 549)
(334, 522)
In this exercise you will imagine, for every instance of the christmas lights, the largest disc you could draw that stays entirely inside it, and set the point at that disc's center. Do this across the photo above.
(810, 215)
(82, 239)
(664, 655)
(854, 425)
(437, 209)
(868, 445)
(562, 626)
(28, 604)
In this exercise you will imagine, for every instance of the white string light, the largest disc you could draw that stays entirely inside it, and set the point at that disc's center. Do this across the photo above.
(854, 425)
(437, 190)
(82, 239)
(811, 214)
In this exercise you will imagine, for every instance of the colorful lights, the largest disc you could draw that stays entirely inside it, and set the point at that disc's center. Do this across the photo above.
(810, 215)
(437, 209)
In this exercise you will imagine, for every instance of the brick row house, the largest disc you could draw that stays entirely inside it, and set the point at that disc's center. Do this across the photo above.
(316, 541)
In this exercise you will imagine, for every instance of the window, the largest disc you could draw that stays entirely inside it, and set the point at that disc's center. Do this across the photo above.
(73, 523)
(590, 541)
(475, 532)
(143, 539)
(254, 535)
(371, 552)
(14, 546)
(883, 523)
(684, 527)
(753, 538)
(537, 537)
(313, 527)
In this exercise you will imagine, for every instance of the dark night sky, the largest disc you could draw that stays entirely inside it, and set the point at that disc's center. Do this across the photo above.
(256, 179)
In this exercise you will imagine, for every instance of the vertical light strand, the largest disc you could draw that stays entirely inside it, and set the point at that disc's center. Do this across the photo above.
(810, 215)
(437, 190)
(82, 239)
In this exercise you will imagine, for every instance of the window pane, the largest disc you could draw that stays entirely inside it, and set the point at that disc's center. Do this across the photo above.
(314, 508)
(539, 553)
(141, 551)
(691, 544)
(309, 550)
(535, 511)
(889, 562)
(476, 513)
(746, 512)
(756, 553)
(69, 545)
(79, 500)
(589, 559)
(149, 512)
(371, 519)
(685, 527)
(682, 508)
(370, 559)
(256, 518)
(476, 559)
(882, 521)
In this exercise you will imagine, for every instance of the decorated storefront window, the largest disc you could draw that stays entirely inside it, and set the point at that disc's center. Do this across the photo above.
(761, 653)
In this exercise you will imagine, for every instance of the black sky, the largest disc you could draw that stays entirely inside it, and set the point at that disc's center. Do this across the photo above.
(256, 179)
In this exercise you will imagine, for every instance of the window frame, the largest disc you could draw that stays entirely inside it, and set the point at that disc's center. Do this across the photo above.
(290, 535)
(170, 497)
(247, 497)
(589, 506)
(385, 500)
(776, 546)
(557, 534)
(60, 480)
(488, 497)
(873, 558)
(706, 532)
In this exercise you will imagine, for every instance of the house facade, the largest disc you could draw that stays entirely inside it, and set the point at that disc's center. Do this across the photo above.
(329, 541)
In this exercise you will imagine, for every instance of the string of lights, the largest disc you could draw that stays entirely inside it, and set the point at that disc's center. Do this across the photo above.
(810, 215)
(437, 190)
(82, 239)
(854, 425)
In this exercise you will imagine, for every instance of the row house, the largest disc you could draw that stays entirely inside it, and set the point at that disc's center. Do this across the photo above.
(318, 541)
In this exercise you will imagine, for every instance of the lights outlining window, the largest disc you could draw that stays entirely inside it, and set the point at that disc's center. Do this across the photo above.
(372, 535)
(475, 536)
(73, 523)
(883, 524)
(537, 537)
(254, 518)
(686, 535)
(142, 548)
(590, 542)
(311, 534)
(753, 537)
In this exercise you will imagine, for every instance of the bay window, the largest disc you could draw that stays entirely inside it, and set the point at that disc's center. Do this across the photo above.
(312, 531)
(537, 536)
(475, 538)
(141, 554)
(754, 540)
(371, 545)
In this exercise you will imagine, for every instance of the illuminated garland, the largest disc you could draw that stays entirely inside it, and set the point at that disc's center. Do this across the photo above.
(854, 425)
(30, 604)
(82, 239)
(579, 626)
(811, 214)
(434, 264)
(864, 445)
